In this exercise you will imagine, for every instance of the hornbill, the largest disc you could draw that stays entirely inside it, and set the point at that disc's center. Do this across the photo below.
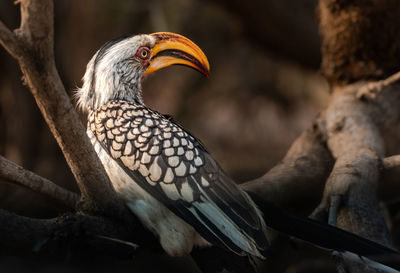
(166, 177)
(163, 173)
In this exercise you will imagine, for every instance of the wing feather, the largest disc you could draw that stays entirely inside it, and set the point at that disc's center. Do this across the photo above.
(173, 166)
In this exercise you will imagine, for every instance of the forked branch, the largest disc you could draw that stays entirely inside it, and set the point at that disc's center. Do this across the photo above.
(36, 60)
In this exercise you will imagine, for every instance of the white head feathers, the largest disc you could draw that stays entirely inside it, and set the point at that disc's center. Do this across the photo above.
(113, 73)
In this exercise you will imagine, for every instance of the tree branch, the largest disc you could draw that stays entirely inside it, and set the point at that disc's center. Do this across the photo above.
(80, 234)
(391, 162)
(9, 40)
(372, 88)
(300, 175)
(360, 40)
(16, 174)
(37, 63)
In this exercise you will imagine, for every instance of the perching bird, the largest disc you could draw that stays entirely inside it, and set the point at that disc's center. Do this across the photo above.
(164, 174)
(166, 177)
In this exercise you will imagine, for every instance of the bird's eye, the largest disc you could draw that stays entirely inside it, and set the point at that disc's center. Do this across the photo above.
(143, 53)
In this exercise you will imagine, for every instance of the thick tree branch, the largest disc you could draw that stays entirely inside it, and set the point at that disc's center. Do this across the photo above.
(360, 40)
(358, 112)
(37, 63)
(300, 175)
(80, 234)
(16, 174)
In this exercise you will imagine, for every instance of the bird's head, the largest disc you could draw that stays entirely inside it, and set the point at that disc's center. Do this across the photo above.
(119, 66)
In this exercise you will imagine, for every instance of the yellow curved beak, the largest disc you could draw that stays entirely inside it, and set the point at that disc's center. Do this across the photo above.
(171, 48)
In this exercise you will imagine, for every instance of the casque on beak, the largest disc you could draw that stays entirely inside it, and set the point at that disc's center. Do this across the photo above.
(171, 48)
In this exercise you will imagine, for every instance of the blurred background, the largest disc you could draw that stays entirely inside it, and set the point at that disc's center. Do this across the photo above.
(263, 91)
(264, 87)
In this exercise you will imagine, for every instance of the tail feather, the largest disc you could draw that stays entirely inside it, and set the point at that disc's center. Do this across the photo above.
(238, 234)
(326, 236)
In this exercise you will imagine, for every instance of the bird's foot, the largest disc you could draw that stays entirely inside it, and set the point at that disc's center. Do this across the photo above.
(327, 210)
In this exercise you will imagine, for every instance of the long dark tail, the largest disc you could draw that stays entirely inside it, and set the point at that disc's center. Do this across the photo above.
(324, 235)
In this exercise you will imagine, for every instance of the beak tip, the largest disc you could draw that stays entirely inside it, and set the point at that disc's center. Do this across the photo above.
(204, 70)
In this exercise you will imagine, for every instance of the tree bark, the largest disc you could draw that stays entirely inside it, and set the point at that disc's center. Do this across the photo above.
(32, 45)
(360, 39)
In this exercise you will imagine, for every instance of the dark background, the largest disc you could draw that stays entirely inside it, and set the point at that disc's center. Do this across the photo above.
(258, 99)
(264, 90)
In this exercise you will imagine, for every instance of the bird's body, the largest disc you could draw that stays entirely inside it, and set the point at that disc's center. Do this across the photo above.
(162, 172)
(166, 177)
(176, 236)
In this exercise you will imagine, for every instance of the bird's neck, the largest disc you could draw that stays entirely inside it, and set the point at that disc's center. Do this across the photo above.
(121, 84)
(101, 88)
(131, 92)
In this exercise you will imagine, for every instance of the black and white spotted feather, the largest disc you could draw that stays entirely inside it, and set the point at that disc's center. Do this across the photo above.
(172, 166)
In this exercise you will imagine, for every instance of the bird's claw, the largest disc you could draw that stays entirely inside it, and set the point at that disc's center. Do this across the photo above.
(327, 210)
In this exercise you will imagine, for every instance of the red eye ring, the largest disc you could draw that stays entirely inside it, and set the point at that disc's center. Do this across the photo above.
(143, 53)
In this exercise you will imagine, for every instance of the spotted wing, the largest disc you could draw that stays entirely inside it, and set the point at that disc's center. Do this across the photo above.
(174, 168)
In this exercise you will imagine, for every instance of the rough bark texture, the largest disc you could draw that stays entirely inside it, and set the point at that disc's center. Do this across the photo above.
(360, 39)
(360, 42)
(353, 128)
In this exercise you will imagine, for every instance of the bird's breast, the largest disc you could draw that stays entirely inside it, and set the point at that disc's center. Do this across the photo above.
(176, 236)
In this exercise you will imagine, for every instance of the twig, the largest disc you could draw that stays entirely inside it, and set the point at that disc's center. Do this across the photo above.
(371, 89)
(391, 162)
(118, 241)
(16, 174)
